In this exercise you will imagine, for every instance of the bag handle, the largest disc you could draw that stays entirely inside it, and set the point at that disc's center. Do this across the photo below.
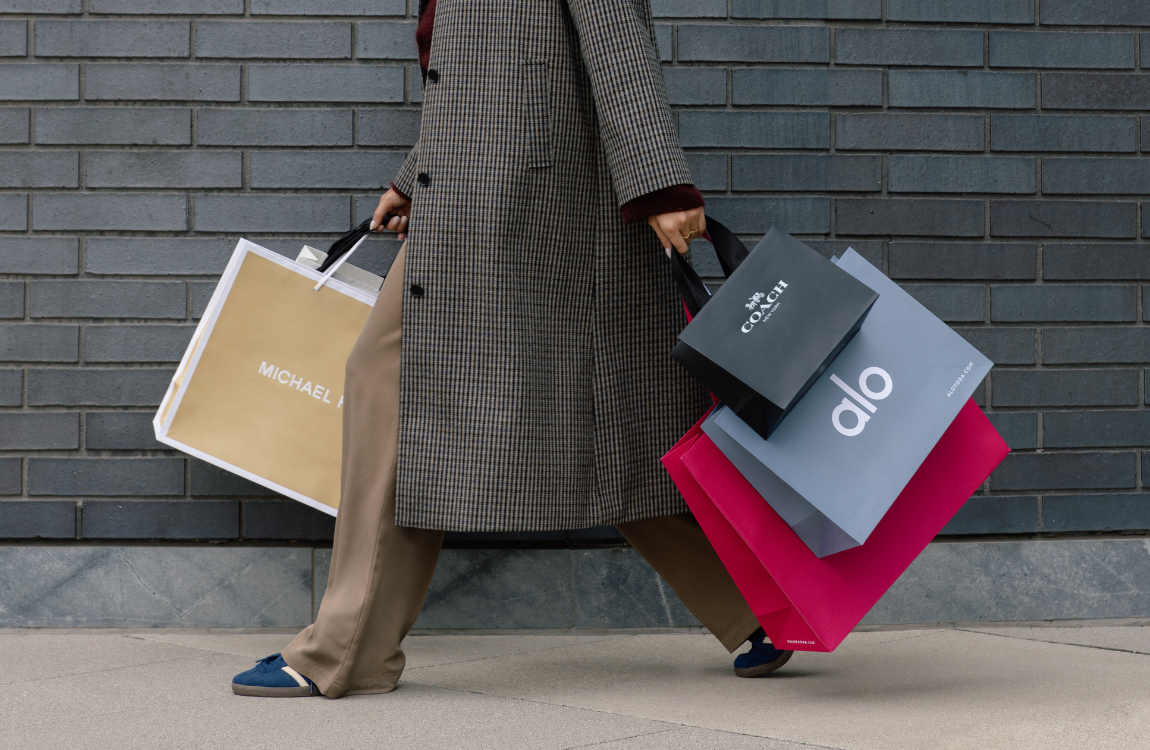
(345, 244)
(730, 252)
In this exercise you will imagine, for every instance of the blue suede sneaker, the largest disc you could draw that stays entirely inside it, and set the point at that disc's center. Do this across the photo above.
(763, 658)
(273, 678)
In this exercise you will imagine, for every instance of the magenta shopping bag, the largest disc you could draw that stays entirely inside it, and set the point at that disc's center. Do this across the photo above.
(804, 602)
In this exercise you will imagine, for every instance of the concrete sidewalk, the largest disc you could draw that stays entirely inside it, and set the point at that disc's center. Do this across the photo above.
(977, 687)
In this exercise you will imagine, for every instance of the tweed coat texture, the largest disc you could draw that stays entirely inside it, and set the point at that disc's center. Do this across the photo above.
(536, 390)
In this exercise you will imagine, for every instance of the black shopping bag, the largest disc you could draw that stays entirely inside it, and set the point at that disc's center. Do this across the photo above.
(770, 330)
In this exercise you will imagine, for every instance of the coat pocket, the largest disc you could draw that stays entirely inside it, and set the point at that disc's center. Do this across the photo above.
(536, 92)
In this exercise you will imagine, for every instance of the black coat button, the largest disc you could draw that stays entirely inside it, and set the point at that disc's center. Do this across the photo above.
(416, 290)
(424, 178)
(433, 75)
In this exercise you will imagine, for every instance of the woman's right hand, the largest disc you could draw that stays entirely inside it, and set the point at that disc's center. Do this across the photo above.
(394, 203)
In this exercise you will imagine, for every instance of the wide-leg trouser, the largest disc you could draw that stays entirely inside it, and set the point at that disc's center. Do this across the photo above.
(380, 572)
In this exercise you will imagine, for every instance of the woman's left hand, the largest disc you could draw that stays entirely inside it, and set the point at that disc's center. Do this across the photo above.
(392, 202)
(678, 228)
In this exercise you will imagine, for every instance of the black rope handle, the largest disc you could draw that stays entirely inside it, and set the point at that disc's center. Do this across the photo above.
(730, 251)
(340, 247)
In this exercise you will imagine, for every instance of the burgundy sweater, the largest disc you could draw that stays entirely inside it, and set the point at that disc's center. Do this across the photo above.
(674, 198)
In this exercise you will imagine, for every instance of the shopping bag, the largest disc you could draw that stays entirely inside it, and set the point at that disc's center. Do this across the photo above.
(809, 603)
(259, 391)
(847, 450)
(781, 316)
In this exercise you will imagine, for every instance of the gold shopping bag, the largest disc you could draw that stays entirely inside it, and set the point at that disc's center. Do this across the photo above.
(259, 391)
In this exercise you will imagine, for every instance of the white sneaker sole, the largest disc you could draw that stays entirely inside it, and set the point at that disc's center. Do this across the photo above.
(273, 692)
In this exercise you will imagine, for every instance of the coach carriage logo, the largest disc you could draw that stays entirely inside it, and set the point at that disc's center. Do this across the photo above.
(861, 417)
(766, 302)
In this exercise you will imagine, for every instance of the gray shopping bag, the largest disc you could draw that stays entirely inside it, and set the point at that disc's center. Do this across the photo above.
(835, 465)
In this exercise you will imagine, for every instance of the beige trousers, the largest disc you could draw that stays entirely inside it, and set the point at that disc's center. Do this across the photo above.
(380, 572)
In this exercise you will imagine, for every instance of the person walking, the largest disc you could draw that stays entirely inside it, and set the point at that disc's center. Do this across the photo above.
(514, 373)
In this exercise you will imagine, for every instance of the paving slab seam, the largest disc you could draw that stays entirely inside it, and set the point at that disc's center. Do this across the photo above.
(511, 653)
(621, 739)
(680, 727)
(676, 724)
(183, 645)
(98, 671)
(913, 635)
(676, 630)
(73, 719)
(1056, 643)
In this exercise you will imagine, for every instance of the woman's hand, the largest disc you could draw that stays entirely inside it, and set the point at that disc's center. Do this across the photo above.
(678, 228)
(392, 202)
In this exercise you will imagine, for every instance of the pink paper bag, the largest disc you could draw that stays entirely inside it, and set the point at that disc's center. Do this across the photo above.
(811, 604)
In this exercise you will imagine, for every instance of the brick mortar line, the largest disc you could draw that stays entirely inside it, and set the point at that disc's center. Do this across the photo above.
(193, 60)
(344, 104)
(691, 20)
(236, 18)
(139, 104)
(1126, 198)
(205, 62)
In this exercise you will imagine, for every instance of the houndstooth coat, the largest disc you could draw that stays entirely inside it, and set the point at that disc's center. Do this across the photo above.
(537, 390)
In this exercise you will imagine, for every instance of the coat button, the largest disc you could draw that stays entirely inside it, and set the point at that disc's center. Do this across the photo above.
(424, 178)
(416, 290)
(433, 75)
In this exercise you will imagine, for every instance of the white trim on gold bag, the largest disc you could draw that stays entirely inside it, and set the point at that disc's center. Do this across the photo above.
(185, 375)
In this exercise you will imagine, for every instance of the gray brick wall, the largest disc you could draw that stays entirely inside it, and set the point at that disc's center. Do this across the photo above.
(986, 154)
